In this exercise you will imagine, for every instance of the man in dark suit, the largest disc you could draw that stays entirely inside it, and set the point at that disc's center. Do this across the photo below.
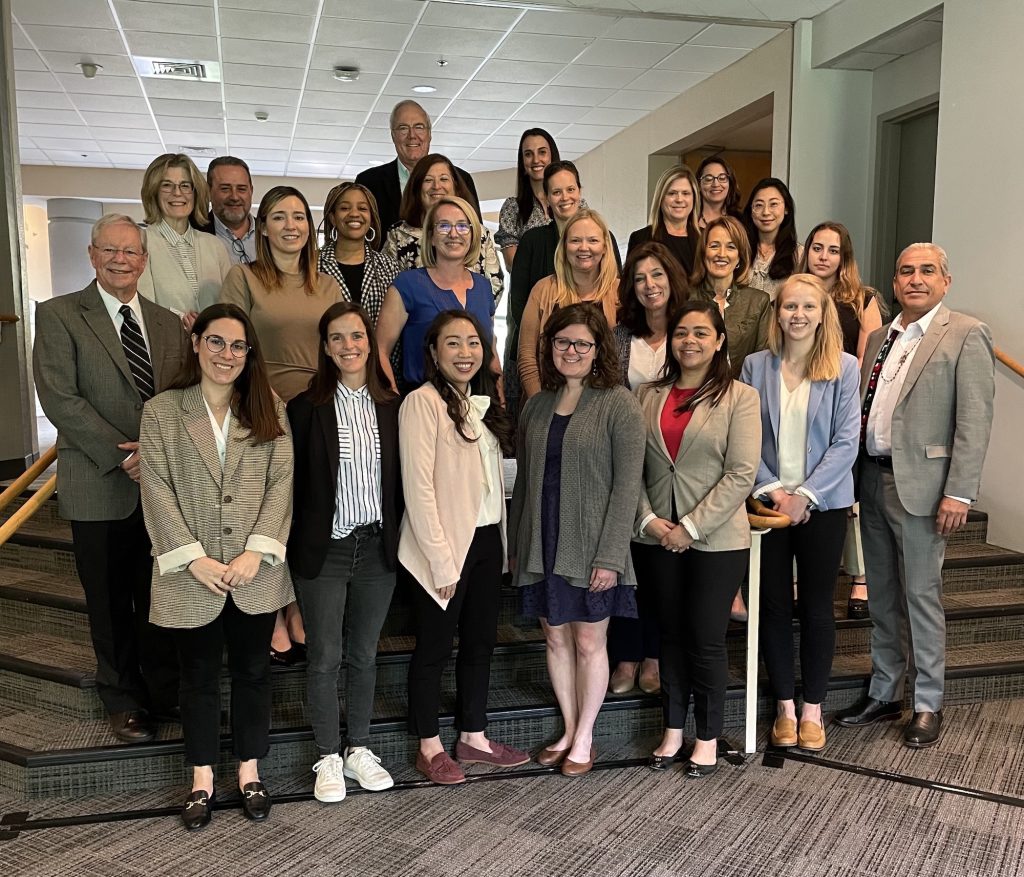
(928, 382)
(99, 354)
(410, 132)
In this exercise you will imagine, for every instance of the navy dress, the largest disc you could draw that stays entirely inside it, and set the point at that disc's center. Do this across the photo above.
(554, 598)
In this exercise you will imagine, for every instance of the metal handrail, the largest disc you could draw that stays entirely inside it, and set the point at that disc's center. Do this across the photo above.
(34, 502)
(1010, 362)
(27, 477)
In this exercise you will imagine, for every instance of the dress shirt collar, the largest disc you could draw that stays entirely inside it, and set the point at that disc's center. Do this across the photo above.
(918, 328)
(224, 232)
(113, 304)
(403, 174)
(172, 237)
(347, 393)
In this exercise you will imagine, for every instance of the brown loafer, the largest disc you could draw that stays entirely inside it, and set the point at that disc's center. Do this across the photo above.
(811, 737)
(132, 726)
(572, 768)
(551, 757)
(499, 756)
(440, 769)
(783, 732)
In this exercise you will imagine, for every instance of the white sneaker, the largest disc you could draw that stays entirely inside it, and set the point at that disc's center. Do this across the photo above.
(364, 767)
(330, 779)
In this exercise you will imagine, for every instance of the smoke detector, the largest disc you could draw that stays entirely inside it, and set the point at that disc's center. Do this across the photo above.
(89, 69)
(346, 74)
(262, 115)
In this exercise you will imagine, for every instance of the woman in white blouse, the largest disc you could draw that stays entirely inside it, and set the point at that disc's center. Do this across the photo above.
(186, 267)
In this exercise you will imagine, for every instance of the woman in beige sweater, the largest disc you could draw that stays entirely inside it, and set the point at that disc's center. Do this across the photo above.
(585, 270)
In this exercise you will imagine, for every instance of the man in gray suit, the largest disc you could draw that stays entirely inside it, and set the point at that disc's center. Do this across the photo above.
(99, 355)
(927, 387)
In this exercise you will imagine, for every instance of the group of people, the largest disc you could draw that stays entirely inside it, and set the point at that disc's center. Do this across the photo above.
(288, 429)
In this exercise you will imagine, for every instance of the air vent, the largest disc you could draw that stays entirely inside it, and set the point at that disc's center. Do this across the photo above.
(171, 68)
(197, 150)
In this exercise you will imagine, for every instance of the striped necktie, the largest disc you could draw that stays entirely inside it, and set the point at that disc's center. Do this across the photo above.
(876, 370)
(138, 356)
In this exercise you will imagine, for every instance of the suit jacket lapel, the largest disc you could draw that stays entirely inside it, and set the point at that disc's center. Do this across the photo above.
(773, 393)
(327, 417)
(697, 420)
(159, 322)
(199, 428)
(813, 402)
(925, 348)
(96, 316)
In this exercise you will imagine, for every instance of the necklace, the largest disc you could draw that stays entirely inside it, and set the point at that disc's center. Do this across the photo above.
(899, 363)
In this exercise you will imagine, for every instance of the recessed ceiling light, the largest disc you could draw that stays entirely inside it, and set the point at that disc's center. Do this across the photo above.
(423, 89)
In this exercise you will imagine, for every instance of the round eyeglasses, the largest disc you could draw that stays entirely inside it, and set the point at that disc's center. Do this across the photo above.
(216, 344)
(581, 347)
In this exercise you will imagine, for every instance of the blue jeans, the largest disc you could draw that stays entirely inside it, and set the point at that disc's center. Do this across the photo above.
(343, 610)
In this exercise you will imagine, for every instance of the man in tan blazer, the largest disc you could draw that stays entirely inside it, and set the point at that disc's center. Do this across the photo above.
(927, 388)
(99, 354)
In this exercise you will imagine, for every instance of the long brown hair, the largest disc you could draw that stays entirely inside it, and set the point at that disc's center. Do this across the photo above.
(823, 362)
(731, 207)
(848, 288)
(265, 268)
(481, 384)
(632, 314)
(719, 376)
(605, 374)
(411, 209)
(324, 383)
(252, 400)
(784, 258)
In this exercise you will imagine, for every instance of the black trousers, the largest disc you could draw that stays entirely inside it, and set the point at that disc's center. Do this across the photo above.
(473, 613)
(693, 593)
(201, 654)
(818, 549)
(635, 639)
(136, 667)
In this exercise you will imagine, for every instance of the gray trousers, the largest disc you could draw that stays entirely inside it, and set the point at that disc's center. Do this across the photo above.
(903, 555)
(343, 610)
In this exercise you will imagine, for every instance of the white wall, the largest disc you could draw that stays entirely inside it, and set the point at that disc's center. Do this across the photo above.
(37, 252)
(978, 167)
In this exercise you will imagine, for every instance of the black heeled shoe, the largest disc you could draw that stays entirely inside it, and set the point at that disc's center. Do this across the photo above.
(664, 762)
(197, 810)
(291, 656)
(698, 771)
(857, 609)
(256, 801)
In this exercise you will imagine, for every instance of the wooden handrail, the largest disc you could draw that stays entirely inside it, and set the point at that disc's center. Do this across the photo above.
(1010, 362)
(31, 506)
(27, 477)
(9, 318)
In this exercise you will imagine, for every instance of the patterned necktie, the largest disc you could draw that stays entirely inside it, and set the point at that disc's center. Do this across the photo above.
(876, 370)
(138, 356)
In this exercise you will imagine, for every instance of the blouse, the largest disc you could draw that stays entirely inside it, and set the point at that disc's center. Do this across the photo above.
(759, 278)
(511, 228)
(645, 362)
(793, 433)
(378, 272)
(674, 422)
(683, 247)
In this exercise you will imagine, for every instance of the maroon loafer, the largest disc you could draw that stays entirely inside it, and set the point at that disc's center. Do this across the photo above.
(440, 769)
(499, 756)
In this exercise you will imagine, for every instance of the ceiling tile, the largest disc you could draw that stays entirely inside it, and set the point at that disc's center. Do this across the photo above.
(499, 155)
(67, 62)
(591, 132)
(361, 34)
(31, 81)
(33, 156)
(332, 156)
(477, 109)
(441, 140)
(130, 138)
(19, 40)
(735, 36)
(97, 121)
(308, 169)
(366, 60)
(736, 8)
(625, 53)
(137, 147)
(464, 15)
(186, 141)
(187, 109)
(595, 77)
(424, 66)
(454, 40)
(271, 97)
(101, 103)
(401, 87)
(665, 80)
(173, 46)
(541, 47)
(237, 51)
(190, 123)
(641, 100)
(463, 126)
(123, 160)
(327, 141)
(333, 100)
(43, 100)
(548, 115)
(609, 116)
(281, 130)
(82, 144)
(374, 10)
(26, 59)
(254, 74)
(87, 13)
(509, 142)
(367, 83)
(81, 40)
(655, 30)
(701, 59)
(280, 26)
(570, 24)
(120, 86)
(498, 91)
(86, 158)
(787, 10)
(455, 152)
(536, 72)
(323, 116)
(572, 95)
(176, 89)
(76, 131)
(169, 18)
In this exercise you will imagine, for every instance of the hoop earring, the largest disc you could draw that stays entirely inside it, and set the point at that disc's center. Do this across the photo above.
(371, 235)
(333, 236)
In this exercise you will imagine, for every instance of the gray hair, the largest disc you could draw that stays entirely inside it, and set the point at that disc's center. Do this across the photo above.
(943, 258)
(401, 105)
(117, 219)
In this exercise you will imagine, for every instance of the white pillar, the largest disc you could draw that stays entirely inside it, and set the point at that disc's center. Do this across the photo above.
(71, 221)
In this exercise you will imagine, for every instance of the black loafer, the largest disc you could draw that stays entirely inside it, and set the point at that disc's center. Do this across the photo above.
(857, 609)
(867, 711)
(197, 810)
(924, 730)
(697, 771)
(256, 801)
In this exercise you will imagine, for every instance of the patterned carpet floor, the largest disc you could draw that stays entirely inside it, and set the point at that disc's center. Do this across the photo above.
(799, 820)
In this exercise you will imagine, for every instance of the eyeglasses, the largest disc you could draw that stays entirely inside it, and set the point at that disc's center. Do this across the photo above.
(169, 188)
(708, 179)
(239, 250)
(216, 344)
(581, 347)
(445, 227)
(127, 252)
(406, 130)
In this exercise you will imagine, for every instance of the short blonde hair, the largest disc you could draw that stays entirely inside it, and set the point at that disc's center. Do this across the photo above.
(154, 175)
(428, 254)
(823, 362)
(607, 279)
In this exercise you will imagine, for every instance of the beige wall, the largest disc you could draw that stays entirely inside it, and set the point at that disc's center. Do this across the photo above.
(37, 252)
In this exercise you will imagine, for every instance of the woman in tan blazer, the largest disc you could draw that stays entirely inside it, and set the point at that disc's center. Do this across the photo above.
(703, 450)
(216, 494)
(452, 432)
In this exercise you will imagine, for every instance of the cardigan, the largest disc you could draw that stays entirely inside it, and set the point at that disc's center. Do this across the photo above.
(194, 508)
(163, 281)
(710, 476)
(602, 462)
(379, 272)
(442, 479)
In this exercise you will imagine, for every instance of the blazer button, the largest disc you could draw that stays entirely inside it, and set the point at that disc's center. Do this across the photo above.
(671, 468)
(227, 531)
(227, 499)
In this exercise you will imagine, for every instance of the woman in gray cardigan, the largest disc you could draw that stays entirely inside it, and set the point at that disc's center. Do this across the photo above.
(581, 447)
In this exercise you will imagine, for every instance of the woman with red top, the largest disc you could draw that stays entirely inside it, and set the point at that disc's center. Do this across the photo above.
(702, 454)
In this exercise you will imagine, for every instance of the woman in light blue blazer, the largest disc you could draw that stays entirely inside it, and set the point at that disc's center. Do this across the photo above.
(810, 426)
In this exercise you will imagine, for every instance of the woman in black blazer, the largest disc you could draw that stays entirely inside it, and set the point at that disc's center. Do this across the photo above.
(343, 546)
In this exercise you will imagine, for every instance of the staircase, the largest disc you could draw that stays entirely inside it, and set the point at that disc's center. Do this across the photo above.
(54, 739)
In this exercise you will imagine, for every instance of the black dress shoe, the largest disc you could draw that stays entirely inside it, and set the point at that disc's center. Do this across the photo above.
(857, 609)
(132, 726)
(296, 654)
(698, 771)
(867, 711)
(197, 810)
(256, 801)
(923, 730)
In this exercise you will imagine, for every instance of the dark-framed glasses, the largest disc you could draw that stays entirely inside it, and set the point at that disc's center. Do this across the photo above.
(581, 347)
(462, 228)
(708, 179)
(216, 344)
(238, 247)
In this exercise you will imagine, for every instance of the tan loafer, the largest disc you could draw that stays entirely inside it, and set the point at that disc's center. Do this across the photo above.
(784, 732)
(623, 681)
(572, 768)
(811, 737)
